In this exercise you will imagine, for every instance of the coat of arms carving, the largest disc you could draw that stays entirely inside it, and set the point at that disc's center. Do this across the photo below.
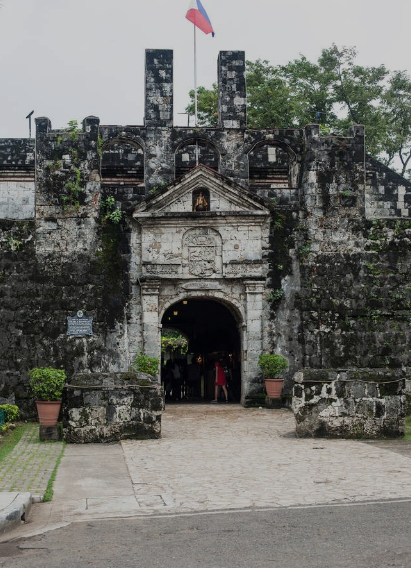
(202, 251)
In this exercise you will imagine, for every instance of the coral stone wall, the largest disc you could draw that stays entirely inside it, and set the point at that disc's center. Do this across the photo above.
(37, 294)
(335, 281)
(353, 403)
(356, 301)
(105, 407)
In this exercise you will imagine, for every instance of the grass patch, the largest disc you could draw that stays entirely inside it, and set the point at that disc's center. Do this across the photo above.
(10, 438)
(407, 427)
(48, 495)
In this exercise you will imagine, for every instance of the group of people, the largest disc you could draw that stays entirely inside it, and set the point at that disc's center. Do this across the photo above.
(183, 381)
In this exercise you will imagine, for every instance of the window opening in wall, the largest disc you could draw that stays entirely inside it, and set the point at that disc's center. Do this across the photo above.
(185, 158)
(269, 167)
(122, 169)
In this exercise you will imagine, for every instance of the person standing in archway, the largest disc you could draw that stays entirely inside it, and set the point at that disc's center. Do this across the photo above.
(219, 381)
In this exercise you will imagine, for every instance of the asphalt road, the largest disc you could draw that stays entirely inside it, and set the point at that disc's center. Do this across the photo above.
(375, 535)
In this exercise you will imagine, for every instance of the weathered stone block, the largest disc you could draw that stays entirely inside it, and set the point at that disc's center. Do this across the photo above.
(129, 406)
(356, 406)
(50, 433)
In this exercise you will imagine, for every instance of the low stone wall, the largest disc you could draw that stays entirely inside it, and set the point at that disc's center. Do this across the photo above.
(353, 403)
(105, 407)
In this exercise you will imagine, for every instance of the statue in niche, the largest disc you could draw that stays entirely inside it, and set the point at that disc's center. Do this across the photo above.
(200, 203)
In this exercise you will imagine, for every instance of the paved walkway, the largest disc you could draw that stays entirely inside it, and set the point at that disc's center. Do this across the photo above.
(24, 476)
(213, 459)
(29, 466)
(219, 457)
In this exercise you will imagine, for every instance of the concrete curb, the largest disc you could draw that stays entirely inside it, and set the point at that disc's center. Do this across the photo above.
(12, 507)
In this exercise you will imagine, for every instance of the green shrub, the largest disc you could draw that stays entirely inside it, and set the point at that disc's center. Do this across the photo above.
(146, 364)
(47, 383)
(272, 365)
(11, 412)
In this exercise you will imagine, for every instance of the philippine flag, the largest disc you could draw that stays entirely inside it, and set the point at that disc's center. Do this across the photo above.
(198, 16)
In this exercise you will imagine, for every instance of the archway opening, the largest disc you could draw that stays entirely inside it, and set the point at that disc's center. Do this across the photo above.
(269, 168)
(193, 151)
(212, 332)
(122, 170)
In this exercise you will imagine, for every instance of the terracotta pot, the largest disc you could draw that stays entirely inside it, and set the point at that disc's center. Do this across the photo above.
(274, 387)
(48, 412)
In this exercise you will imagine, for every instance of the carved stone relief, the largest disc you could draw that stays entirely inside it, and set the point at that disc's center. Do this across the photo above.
(242, 270)
(161, 269)
(202, 252)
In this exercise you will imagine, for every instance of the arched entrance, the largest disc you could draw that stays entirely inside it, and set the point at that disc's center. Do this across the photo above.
(212, 330)
(215, 260)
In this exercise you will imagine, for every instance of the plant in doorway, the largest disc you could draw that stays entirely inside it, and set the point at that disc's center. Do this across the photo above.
(272, 365)
(47, 385)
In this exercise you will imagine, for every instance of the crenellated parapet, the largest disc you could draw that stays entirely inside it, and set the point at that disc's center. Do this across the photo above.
(387, 194)
(67, 169)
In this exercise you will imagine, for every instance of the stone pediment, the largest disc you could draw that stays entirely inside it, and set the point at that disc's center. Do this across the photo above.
(222, 195)
(224, 240)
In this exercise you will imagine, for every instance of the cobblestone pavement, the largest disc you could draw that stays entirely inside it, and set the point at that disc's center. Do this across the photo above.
(216, 458)
(30, 464)
(212, 458)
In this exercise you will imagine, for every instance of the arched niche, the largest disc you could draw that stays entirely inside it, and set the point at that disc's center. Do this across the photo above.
(185, 156)
(201, 200)
(270, 167)
(122, 168)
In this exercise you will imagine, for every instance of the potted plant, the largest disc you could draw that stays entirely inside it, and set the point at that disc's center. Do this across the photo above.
(272, 365)
(47, 386)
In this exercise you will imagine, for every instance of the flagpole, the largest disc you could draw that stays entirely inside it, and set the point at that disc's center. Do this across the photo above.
(195, 78)
(195, 89)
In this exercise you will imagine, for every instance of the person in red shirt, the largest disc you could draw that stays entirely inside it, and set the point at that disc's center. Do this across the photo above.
(219, 381)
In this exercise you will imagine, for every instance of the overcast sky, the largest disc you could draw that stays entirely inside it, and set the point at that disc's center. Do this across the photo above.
(67, 59)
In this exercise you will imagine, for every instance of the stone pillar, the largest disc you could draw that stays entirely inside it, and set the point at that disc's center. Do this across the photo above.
(91, 126)
(151, 324)
(253, 344)
(159, 88)
(357, 131)
(312, 132)
(232, 98)
(333, 176)
(43, 125)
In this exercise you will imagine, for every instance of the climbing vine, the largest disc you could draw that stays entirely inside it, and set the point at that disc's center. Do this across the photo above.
(110, 213)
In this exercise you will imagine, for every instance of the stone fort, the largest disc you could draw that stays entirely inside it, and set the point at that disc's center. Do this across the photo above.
(302, 247)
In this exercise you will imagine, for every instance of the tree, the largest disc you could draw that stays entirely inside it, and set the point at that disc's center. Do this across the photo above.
(207, 101)
(356, 92)
(334, 92)
(397, 111)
